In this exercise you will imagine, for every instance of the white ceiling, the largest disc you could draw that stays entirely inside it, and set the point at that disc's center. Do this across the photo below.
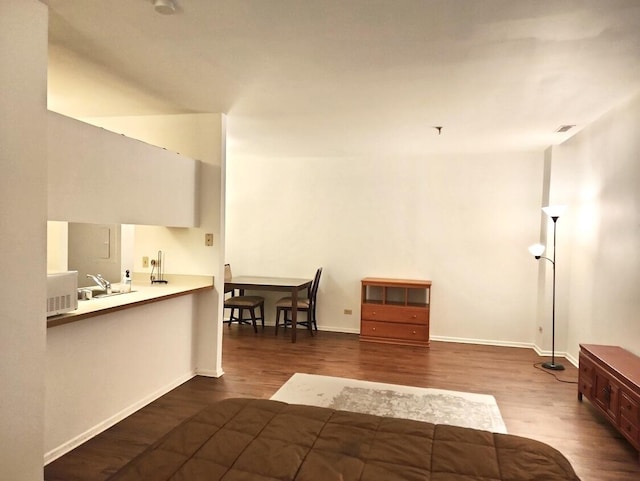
(352, 77)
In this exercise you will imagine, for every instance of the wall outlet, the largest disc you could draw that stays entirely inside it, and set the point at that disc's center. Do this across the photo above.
(145, 262)
(208, 240)
(348, 312)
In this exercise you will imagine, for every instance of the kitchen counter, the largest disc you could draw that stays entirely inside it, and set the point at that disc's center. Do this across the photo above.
(142, 292)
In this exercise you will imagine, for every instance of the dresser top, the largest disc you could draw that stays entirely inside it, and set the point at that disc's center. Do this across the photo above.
(618, 359)
(385, 281)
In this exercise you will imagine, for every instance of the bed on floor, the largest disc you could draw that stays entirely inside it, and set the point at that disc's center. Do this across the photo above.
(264, 440)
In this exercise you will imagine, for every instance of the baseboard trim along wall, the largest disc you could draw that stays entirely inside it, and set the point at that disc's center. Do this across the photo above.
(485, 342)
(565, 355)
(465, 340)
(116, 418)
(209, 372)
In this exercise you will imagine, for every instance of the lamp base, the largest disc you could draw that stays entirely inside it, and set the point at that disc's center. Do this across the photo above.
(554, 366)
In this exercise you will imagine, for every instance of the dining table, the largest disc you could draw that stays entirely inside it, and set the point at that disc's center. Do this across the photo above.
(291, 285)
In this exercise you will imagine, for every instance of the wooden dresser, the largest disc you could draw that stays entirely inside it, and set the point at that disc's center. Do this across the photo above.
(609, 377)
(395, 311)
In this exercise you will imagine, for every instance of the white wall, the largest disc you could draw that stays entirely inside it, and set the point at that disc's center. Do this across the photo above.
(597, 173)
(544, 332)
(57, 246)
(101, 177)
(202, 137)
(94, 249)
(185, 332)
(23, 216)
(101, 369)
(464, 222)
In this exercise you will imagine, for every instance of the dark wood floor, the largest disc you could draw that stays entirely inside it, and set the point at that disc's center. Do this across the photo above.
(532, 401)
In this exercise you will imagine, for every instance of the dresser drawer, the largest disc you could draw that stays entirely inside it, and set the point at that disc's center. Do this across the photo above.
(629, 421)
(585, 377)
(630, 430)
(394, 330)
(630, 409)
(585, 387)
(402, 314)
(586, 369)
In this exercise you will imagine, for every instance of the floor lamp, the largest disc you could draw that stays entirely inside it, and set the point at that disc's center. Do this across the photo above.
(553, 211)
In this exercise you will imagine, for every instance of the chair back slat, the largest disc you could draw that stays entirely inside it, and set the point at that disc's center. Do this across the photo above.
(285, 304)
(314, 286)
(227, 272)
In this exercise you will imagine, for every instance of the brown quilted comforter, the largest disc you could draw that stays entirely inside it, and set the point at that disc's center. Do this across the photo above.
(263, 440)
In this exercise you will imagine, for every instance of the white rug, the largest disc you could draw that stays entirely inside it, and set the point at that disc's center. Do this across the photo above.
(479, 411)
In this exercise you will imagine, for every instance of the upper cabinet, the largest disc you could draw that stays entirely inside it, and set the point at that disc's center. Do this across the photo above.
(98, 176)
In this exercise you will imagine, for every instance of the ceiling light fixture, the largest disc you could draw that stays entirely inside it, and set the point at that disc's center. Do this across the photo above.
(164, 7)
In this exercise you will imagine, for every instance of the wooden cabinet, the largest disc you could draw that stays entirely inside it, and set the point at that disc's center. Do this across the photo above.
(609, 377)
(395, 311)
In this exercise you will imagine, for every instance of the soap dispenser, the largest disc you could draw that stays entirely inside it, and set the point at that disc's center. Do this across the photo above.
(126, 282)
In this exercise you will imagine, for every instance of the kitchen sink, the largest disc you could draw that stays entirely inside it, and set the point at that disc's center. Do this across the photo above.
(102, 294)
(97, 293)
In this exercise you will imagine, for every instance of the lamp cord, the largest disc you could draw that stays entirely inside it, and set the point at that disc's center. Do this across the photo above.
(538, 366)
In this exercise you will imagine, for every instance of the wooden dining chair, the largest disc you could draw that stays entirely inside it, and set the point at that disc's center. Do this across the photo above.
(305, 304)
(243, 303)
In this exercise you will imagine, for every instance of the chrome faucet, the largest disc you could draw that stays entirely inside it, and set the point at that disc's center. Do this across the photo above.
(101, 282)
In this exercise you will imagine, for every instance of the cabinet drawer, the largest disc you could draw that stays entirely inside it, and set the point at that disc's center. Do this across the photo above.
(394, 330)
(630, 409)
(402, 314)
(586, 369)
(585, 387)
(585, 376)
(630, 431)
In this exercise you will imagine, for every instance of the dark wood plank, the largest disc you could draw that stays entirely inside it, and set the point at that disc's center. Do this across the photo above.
(533, 403)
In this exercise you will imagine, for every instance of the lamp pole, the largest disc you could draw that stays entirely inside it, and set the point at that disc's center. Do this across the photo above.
(552, 365)
(537, 250)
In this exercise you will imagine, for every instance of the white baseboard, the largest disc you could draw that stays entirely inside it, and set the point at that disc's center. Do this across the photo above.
(488, 342)
(209, 372)
(346, 330)
(566, 355)
(466, 340)
(485, 342)
(571, 359)
(116, 418)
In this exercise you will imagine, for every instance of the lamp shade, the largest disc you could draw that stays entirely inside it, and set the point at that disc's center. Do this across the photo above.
(536, 250)
(554, 211)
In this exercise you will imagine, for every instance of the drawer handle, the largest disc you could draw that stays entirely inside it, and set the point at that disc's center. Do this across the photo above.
(414, 316)
(374, 313)
(414, 332)
(374, 328)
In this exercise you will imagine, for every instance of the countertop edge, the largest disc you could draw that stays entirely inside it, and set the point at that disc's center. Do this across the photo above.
(71, 317)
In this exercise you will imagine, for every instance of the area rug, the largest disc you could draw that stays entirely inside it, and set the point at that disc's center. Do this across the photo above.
(479, 411)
